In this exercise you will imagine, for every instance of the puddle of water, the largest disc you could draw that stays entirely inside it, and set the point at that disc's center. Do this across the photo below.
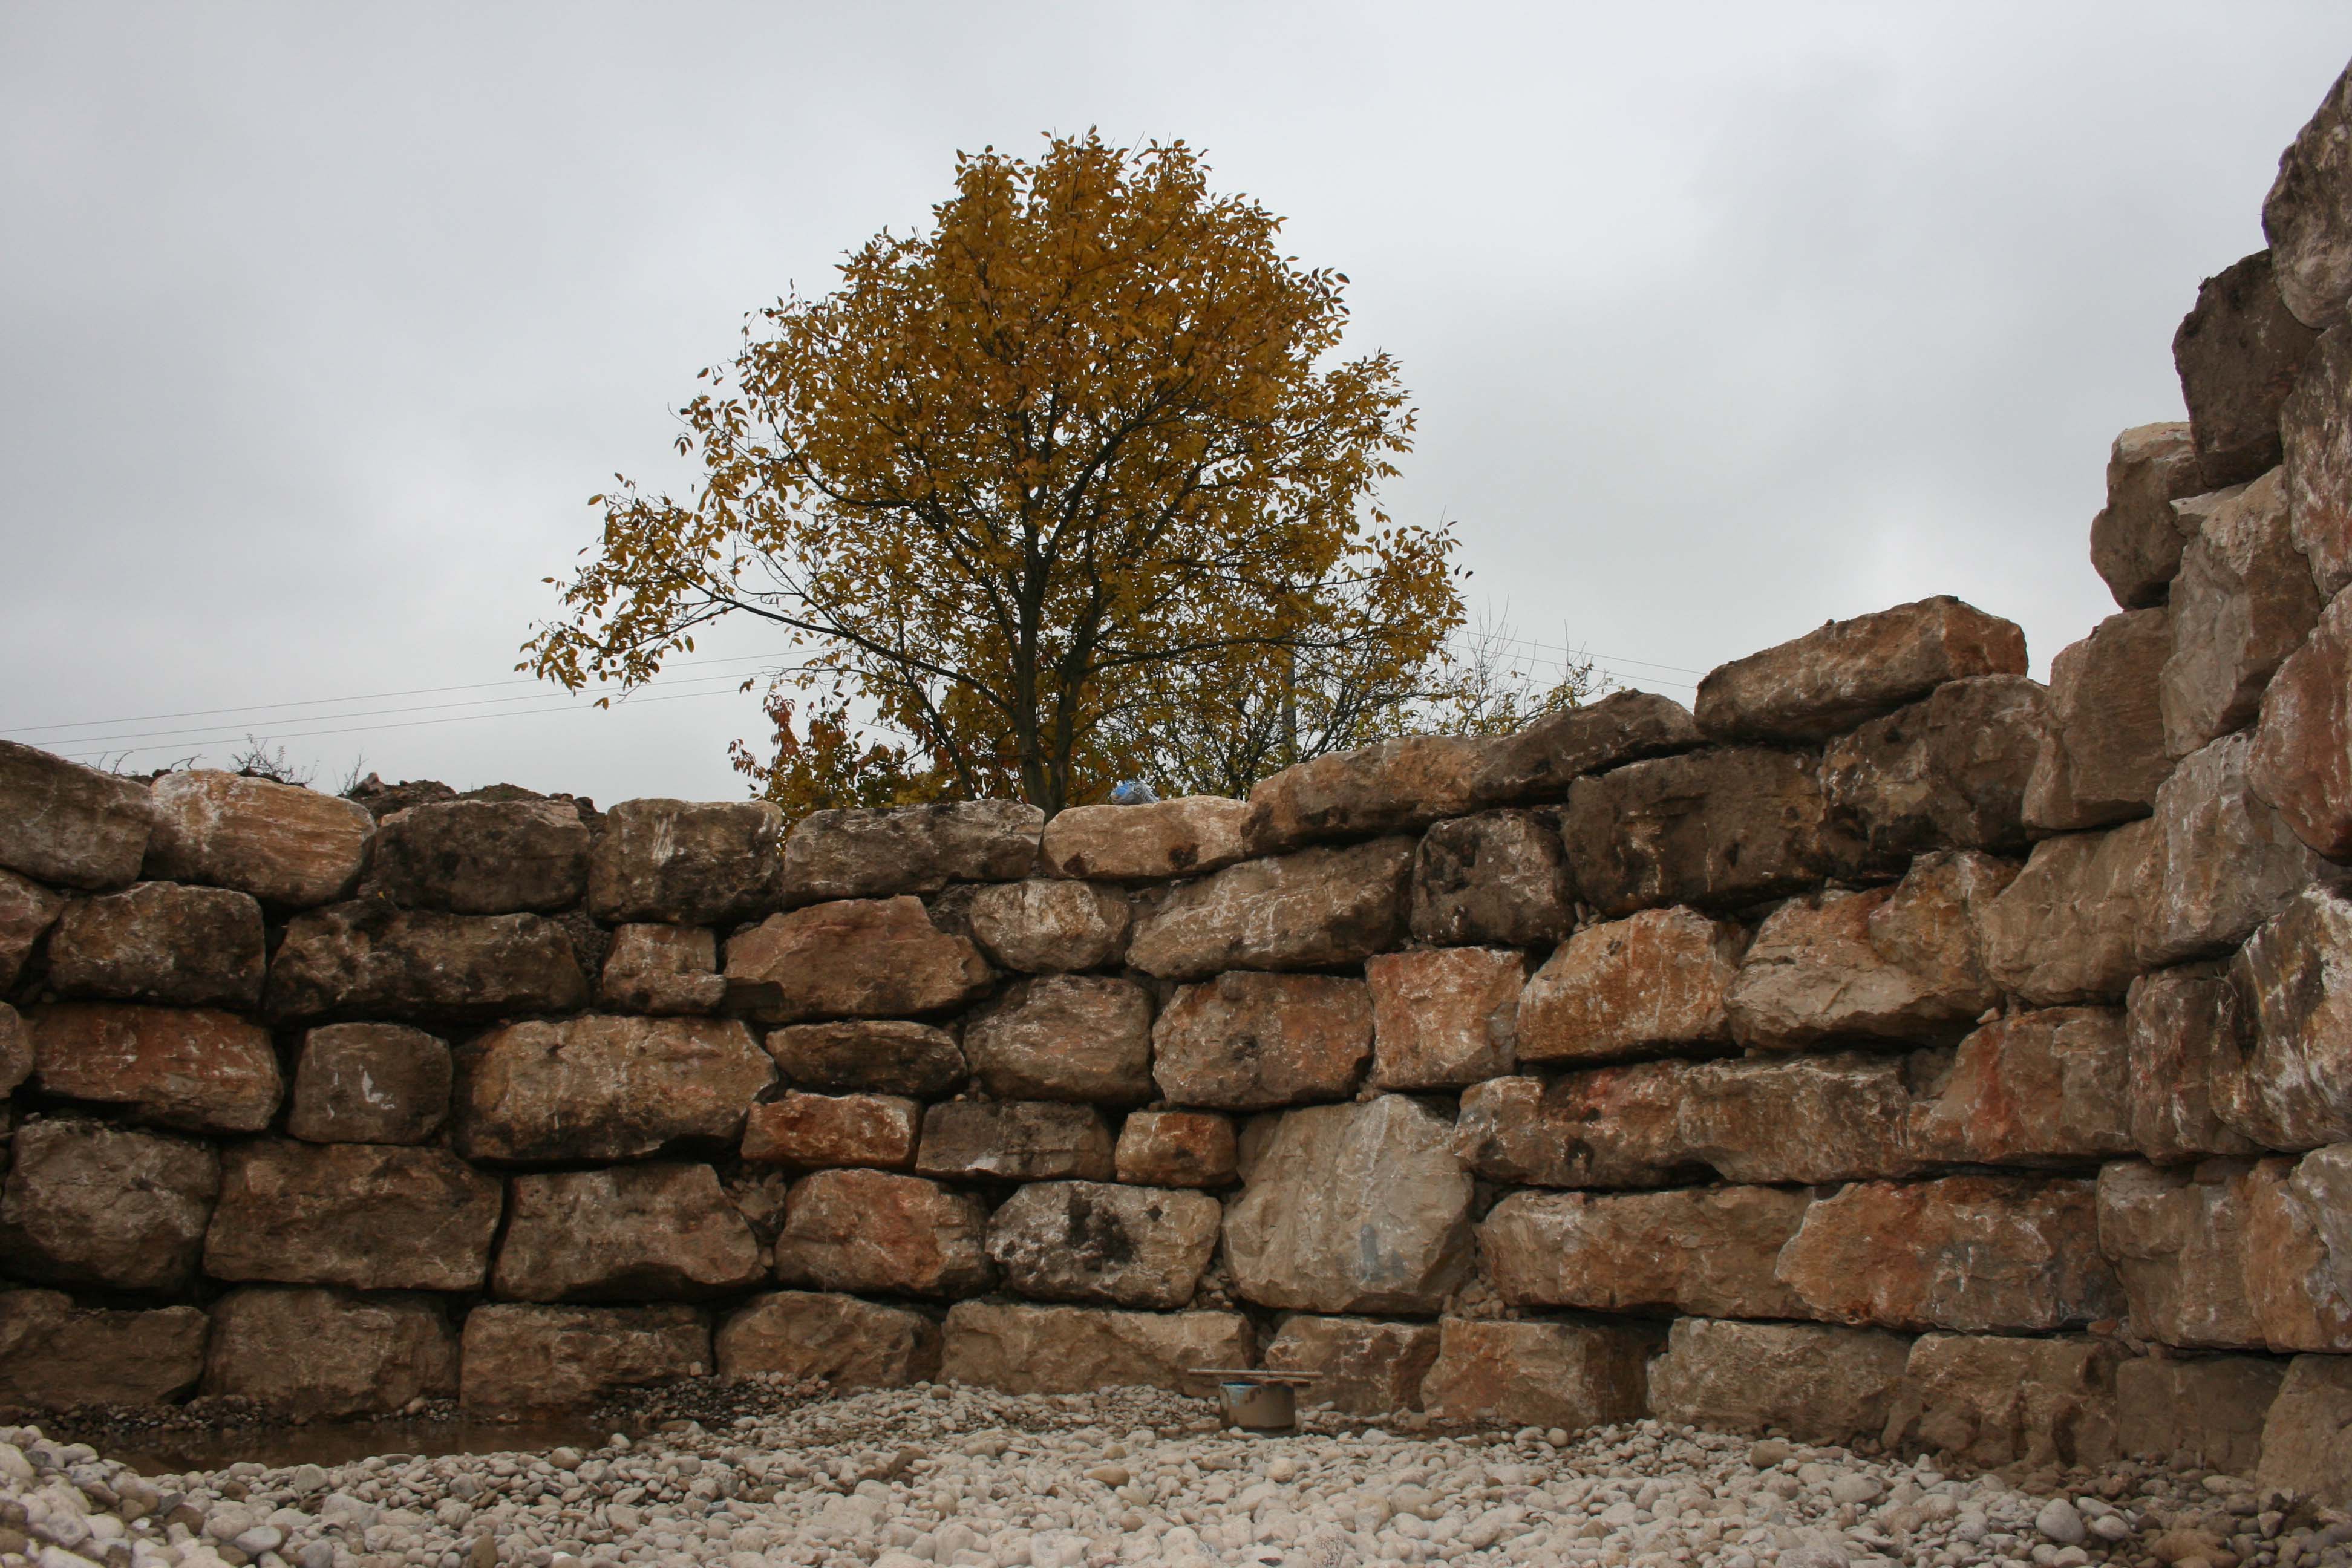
(340, 1442)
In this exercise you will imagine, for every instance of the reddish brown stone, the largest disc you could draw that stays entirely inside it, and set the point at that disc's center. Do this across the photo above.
(873, 1231)
(2302, 761)
(1084, 1038)
(1573, 1375)
(2304, 1451)
(66, 825)
(311, 1354)
(876, 1055)
(2103, 753)
(1812, 1381)
(2315, 427)
(1443, 1016)
(1098, 1241)
(2186, 1031)
(864, 853)
(28, 911)
(2295, 1091)
(2040, 1088)
(1314, 909)
(683, 863)
(601, 1087)
(1186, 838)
(1500, 877)
(1707, 1250)
(1048, 926)
(1362, 1367)
(2225, 860)
(283, 844)
(1947, 773)
(1014, 1141)
(1810, 1118)
(483, 857)
(856, 958)
(2067, 930)
(813, 1130)
(624, 1232)
(2178, 1241)
(2303, 218)
(1024, 1349)
(370, 1083)
(1655, 981)
(1251, 1042)
(2136, 539)
(195, 1070)
(90, 1203)
(1999, 1401)
(363, 1215)
(2298, 1250)
(662, 969)
(1176, 1149)
(1846, 672)
(519, 1357)
(15, 1049)
(367, 960)
(158, 941)
(55, 1356)
(2238, 351)
(1615, 1127)
(839, 1339)
(1723, 827)
(2243, 601)
(2200, 1414)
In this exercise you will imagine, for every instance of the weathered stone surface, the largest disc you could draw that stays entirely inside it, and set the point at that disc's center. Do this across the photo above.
(88, 1204)
(482, 857)
(1998, 1400)
(2225, 860)
(2243, 601)
(1353, 1208)
(856, 958)
(817, 1130)
(2316, 428)
(847, 1342)
(1045, 925)
(2201, 1414)
(1098, 1241)
(2136, 539)
(872, 1230)
(1538, 1375)
(370, 1083)
(366, 959)
(2302, 761)
(68, 825)
(28, 911)
(519, 1357)
(1250, 1042)
(187, 1068)
(872, 854)
(2298, 1250)
(2101, 753)
(283, 844)
(158, 941)
(1707, 1250)
(683, 863)
(54, 1355)
(1899, 962)
(1500, 877)
(2177, 1239)
(2067, 930)
(1024, 1349)
(1184, 837)
(363, 1215)
(1540, 761)
(330, 1353)
(876, 1055)
(1812, 1381)
(1717, 827)
(1949, 771)
(2238, 351)
(606, 1088)
(2186, 1031)
(1846, 672)
(1653, 981)
(1979, 1253)
(1085, 1038)
(2305, 217)
(1014, 1141)
(2305, 1448)
(1313, 910)
(624, 1232)
(2295, 1091)
(15, 1049)
(1443, 1016)
(1177, 1149)
(2049, 1086)
(1362, 1366)
(1615, 1127)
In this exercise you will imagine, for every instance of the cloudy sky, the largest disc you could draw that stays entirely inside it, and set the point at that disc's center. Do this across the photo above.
(319, 324)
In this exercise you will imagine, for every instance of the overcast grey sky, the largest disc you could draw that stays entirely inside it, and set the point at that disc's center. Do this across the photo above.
(319, 324)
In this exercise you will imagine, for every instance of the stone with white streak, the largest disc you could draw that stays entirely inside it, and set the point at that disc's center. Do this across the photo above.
(1443, 1016)
(2067, 929)
(1655, 981)
(280, 843)
(1313, 910)
(66, 825)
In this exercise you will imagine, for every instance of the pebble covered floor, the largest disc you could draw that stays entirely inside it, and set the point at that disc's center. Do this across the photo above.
(945, 1476)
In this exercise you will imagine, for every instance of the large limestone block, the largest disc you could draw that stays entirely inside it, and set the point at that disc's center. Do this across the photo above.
(2307, 1436)
(2136, 539)
(873, 1055)
(15, 1049)
(1353, 1208)
(2298, 1255)
(662, 969)
(1443, 1016)
(1085, 1038)
(1979, 1253)
(2177, 1239)
(2316, 428)
(2225, 860)
(2049, 1086)
(2238, 351)
(1899, 962)
(1362, 1367)
(624, 1232)
(1500, 877)
(54, 1355)
(879, 1232)
(518, 1357)
(848, 1343)
(1049, 925)
(683, 863)
(1812, 1381)
(2200, 1414)
(283, 844)
(28, 911)
(2102, 753)
(1313, 910)
(192, 1069)
(1024, 1349)
(606, 1088)
(1655, 981)
(2186, 1031)
(367, 960)
(1705, 1250)
(1189, 836)
(2243, 601)
(1571, 1375)
(865, 853)
(1947, 773)
(2302, 761)
(158, 941)
(2295, 1091)
(2307, 216)
(1177, 1149)
(1251, 1042)
(1614, 1127)
(2067, 930)
(1998, 1400)
(482, 857)
(1014, 1141)
(330, 1353)
(68, 825)
(817, 1131)
(1846, 672)
(363, 1216)
(1098, 1241)
(370, 1083)
(1720, 828)
(89, 1204)
(856, 958)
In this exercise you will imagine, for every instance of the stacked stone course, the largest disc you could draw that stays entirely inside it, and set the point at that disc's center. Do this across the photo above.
(1886, 1047)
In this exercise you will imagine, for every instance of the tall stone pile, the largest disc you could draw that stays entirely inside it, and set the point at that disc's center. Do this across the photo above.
(1889, 1046)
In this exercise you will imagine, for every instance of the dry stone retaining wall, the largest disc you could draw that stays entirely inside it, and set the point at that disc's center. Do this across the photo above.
(1885, 1048)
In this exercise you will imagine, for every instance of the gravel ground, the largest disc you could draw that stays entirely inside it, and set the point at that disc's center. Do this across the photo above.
(955, 1475)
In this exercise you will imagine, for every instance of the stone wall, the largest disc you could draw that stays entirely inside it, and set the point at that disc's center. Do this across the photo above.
(1888, 1048)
